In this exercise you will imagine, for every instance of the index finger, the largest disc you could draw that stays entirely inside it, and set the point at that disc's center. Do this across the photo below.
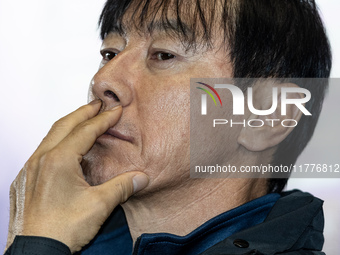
(65, 125)
(82, 137)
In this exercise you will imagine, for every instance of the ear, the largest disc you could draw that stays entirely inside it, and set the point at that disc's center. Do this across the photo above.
(266, 131)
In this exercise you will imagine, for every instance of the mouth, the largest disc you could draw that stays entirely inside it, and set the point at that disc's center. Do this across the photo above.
(113, 133)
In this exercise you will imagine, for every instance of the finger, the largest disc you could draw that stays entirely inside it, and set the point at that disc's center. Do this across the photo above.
(119, 189)
(65, 125)
(81, 139)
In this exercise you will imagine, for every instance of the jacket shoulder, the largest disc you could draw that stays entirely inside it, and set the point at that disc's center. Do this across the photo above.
(294, 226)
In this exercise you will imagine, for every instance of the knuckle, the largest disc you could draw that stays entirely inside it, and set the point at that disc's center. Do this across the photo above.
(31, 163)
(59, 124)
(51, 158)
(29, 168)
(49, 164)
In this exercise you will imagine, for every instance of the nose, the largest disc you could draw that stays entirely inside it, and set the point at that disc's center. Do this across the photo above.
(113, 83)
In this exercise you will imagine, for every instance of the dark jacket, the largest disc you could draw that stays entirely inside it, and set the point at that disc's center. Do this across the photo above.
(294, 226)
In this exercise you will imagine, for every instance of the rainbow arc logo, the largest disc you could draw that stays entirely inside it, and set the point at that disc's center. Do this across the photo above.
(204, 97)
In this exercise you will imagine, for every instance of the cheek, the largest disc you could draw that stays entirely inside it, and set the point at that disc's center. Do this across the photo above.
(210, 145)
(166, 125)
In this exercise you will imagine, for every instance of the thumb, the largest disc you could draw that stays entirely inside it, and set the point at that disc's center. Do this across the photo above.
(120, 188)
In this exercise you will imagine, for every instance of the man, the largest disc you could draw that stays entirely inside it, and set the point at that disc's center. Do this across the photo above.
(131, 144)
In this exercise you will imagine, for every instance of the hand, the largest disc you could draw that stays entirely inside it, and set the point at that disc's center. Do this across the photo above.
(50, 196)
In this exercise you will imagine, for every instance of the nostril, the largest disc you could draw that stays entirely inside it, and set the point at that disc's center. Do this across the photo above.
(110, 94)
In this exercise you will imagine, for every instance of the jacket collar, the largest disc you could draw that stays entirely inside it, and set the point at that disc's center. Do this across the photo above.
(210, 233)
(294, 223)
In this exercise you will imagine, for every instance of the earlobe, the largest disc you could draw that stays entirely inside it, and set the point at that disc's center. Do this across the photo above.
(265, 131)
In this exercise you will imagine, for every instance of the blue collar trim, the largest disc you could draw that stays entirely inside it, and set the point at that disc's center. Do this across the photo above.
(210, 233)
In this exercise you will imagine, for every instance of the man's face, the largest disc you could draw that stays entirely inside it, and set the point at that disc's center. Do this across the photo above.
(149, 75)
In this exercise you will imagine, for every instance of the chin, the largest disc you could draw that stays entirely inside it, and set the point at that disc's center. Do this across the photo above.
(100, 165)
(98, 170)
(96, 177)
(94, 180)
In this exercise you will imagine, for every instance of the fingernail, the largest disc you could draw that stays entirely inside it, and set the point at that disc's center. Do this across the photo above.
(140, 181)
(96, 101)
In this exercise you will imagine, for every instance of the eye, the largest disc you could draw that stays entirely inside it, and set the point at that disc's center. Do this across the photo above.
(108, 55)
(162, 56)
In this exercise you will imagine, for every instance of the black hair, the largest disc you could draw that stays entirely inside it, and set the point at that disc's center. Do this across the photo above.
(284, 39)
(264, 38)
(193, 32)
